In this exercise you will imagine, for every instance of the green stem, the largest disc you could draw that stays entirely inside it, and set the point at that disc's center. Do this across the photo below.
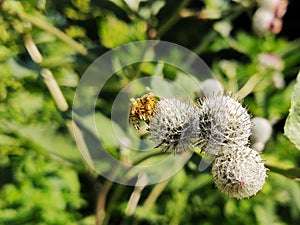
(292, 173)
(113, 201)
(172, 20)
(230, 15)
(55, 31)
(155, 193)
(101, 201)
(46, 27)
(249, 86)
(138, 161)
(54, 90)
(206, 41)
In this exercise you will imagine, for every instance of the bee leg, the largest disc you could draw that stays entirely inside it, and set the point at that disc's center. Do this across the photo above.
(199, 144)
(165, 148)
(160, 144)
(135, 122)
(174, 150)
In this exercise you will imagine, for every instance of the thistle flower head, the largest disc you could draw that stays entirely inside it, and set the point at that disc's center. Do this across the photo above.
(223, 121)
(173, 125)
(239, 172)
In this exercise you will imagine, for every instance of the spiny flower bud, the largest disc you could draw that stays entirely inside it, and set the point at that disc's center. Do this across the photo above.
(223, 121)
(265, 21)
(174, 125)
(261, 133)
(278, 80)
(278, 7)
(239, 172)
(210, 87)
(270, 61)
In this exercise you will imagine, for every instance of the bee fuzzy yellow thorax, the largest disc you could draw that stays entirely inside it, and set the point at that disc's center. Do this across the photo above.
(141, 109)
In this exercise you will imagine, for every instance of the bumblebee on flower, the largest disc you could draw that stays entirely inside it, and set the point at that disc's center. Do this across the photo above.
(219, 125)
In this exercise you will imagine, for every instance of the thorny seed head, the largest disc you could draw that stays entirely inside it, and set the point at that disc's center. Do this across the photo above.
(239, 172)
(174, 125)
(223, 121)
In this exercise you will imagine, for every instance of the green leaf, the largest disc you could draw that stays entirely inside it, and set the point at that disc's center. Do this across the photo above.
(189, 85)
(20, 70)
(279, 103)
(108, 131)
(293, 173)
(133, 4)
(149, 8)
(114, 32)
(292, 125)
(265, 213)
(245, 43)
(48, 138)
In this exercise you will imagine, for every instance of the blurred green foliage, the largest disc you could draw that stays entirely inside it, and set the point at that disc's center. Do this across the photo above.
(42, 175)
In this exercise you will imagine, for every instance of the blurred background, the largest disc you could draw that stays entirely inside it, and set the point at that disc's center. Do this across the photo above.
(253, 49)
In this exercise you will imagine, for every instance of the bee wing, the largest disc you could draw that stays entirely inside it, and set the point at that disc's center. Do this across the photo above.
(205, 161)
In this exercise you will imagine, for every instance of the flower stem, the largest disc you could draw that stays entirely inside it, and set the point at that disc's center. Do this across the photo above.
(205, 42)
(172, 20)
(18, 11)
(101, 200)
(249, 86)
(292, 173)
(155, 193)
(55, 90)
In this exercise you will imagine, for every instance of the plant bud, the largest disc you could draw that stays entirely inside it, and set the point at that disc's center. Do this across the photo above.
(239, 172)
(223, 121)
(278, 7)
(264, 21)
(174, 125)
(261, 132)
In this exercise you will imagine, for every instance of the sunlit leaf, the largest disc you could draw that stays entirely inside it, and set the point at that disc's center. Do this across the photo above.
(99, 126)
(292, 125)
(293, 173)
(48, 138)
(126, 32)
(20, 70)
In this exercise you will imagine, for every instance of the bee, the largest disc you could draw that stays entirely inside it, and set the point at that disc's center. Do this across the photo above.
(142, 109)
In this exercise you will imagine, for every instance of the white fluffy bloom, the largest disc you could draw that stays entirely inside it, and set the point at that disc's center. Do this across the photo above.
(174, 125)
(239, 172)
(223, 121)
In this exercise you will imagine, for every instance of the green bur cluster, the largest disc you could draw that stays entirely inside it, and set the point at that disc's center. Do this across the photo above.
(220, 126)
